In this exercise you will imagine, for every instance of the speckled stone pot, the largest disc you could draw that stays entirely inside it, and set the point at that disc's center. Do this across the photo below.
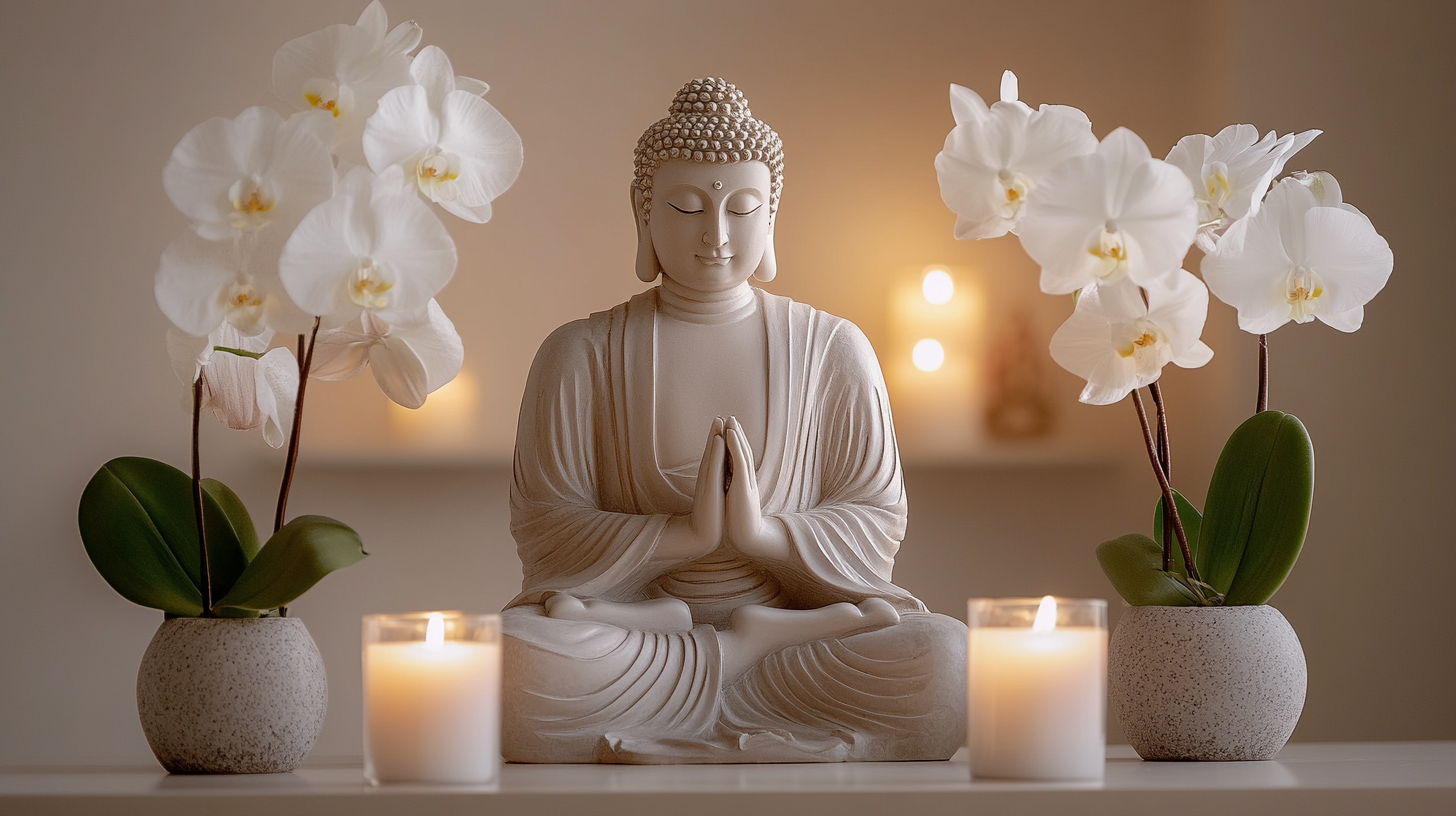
(1206, 683)
(231, 696)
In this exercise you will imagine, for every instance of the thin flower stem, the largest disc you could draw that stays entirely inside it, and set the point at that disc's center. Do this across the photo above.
(1137, 402)
(1263, 374)
(197, 499)
(307, 362)
(255, 355)
(1165, 461)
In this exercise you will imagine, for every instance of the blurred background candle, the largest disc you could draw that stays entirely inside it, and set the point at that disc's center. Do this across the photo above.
(432, 697)
(1037, 688)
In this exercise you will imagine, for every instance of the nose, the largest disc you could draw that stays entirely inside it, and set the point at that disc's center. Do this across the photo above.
(716, 234)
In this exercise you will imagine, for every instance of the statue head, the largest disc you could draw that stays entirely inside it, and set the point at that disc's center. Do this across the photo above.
(709, 123)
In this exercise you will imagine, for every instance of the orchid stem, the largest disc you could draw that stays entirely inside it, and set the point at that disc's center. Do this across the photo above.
(1165, 461)
(197, 498)
(306, 358)
(1168, 503)
(1263, 374)
(255, 355)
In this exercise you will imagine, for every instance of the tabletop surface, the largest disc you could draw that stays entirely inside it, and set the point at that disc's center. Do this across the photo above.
(1329, 778)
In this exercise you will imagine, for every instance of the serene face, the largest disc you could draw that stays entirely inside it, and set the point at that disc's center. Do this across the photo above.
(710, 222)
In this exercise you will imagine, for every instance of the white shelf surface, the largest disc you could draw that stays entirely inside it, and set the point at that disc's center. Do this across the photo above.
(1329, 779)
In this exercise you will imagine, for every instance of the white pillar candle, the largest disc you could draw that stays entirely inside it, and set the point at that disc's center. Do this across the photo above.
(432, 698)
(1037, 688)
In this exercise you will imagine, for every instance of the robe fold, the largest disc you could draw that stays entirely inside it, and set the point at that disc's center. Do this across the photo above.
(589, 499)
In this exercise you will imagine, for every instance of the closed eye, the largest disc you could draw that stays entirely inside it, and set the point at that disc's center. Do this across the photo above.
(750, 212)
(684, 212)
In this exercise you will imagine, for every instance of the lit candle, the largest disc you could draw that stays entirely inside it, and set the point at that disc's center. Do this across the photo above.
(432, 698)
(1036, 703)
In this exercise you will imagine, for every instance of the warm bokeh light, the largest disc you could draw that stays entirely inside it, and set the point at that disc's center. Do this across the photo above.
(928, 355)
(938, 286)
(446, 420)
(435, 631)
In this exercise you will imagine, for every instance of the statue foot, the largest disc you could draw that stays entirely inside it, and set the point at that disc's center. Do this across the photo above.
(755, 632)
(657, 615)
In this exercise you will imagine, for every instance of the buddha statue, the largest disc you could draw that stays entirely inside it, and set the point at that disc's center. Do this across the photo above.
(707, 501)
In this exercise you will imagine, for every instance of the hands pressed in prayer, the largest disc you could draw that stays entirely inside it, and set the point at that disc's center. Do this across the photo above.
(762, 539)
(726, 503)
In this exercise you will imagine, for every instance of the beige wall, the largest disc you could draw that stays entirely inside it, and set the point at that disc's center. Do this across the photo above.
(97, 94)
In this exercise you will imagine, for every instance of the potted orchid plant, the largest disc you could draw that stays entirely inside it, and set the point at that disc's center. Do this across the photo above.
(319, 225)
(1111, 225)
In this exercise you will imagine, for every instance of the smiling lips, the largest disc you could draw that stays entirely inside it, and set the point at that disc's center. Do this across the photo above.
(714, 260)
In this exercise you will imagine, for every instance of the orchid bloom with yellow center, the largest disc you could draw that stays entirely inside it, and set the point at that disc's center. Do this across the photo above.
(373, 248)
(1305, 255)
(1231, 172)
(1121, 336)
(343, 70)
(997, 154)
(459, 150)
(1114, 214)
(255, 173)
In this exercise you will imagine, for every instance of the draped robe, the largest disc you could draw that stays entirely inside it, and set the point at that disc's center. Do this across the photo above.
(589, 500)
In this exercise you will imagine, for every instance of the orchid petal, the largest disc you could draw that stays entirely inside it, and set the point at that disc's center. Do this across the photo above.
(488, 146)
(275, 389)
(341, 353)
(192, 282)
(471, 86)
(400, 373)
(431, 71)
(401, 129)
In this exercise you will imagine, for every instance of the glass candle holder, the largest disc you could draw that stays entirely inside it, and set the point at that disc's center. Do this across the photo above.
(432, 698)
(1037, 688)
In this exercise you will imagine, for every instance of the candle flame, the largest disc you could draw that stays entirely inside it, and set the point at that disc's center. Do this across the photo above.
(1046, 615)
(435, 631)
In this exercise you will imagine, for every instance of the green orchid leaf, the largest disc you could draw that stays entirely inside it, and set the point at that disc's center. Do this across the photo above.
(1134, 565)
(229, 523)
(126, 541)
(1258, 508)
(1282, 520)
(138, 527)
(294, 559)
(1192, 527)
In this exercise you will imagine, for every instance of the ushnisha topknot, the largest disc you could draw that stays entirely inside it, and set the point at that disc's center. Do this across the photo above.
(708, 121)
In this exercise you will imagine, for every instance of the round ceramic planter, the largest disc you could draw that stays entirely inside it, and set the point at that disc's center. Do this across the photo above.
(1206, 683)
(231, 696)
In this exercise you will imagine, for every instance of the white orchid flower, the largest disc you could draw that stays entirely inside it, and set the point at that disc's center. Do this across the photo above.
(368, 249)
(343, 70)
(1118, 343)
(1113, 214)
(409, 363)
(1231, 172)
(250, 174)
(1305, 255)
(996, 155)
(244, 393)
(201, 285)
(460, 151)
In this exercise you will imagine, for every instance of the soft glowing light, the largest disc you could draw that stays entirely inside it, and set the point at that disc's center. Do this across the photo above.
(938, 286)
(1009, 91)
(1046, 615)
(928, 355)
(435, 631)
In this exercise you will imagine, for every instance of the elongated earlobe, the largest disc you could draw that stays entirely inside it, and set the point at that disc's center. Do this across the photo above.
(768, 266)
(647, 266)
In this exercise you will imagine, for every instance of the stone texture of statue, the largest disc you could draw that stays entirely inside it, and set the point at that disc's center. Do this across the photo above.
(707, 501)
